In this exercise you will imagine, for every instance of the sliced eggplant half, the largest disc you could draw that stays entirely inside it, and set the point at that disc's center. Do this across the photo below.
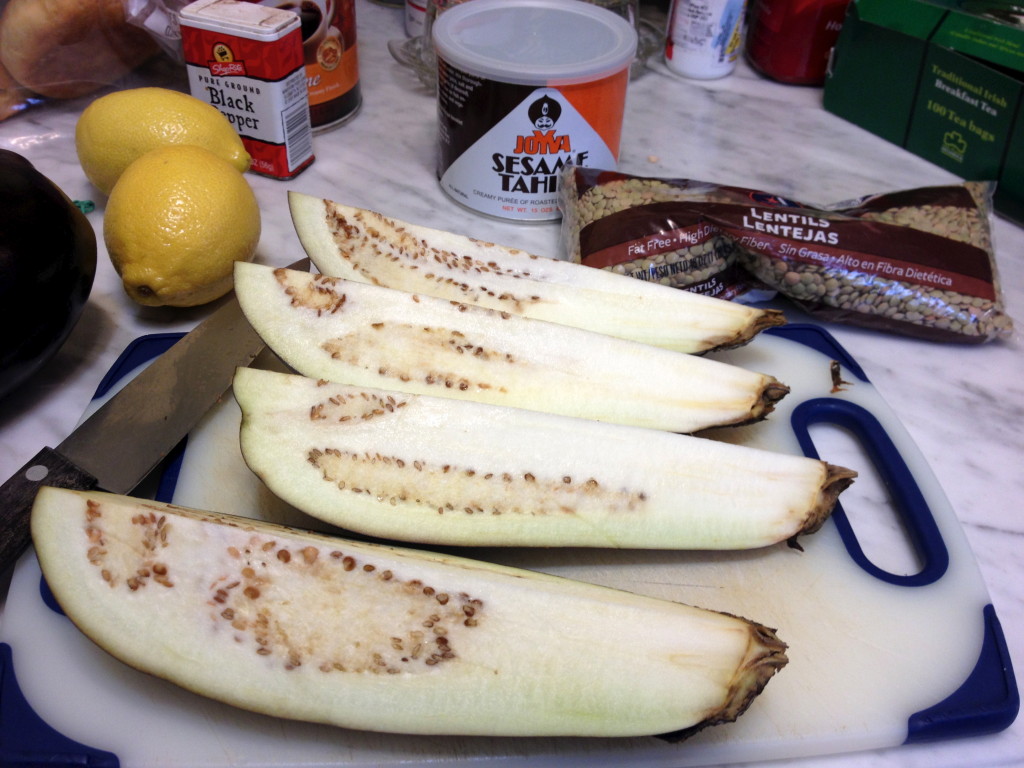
(364, 245)
(370, 336)
(310, 627)
(438, 471)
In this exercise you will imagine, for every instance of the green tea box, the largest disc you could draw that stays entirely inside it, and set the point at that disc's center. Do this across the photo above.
(942, 78)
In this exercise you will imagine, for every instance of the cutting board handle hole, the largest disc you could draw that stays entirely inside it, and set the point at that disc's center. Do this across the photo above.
(869, 507)
(883, 518)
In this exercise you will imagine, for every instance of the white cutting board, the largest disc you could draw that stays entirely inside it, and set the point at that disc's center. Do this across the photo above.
(865, 653)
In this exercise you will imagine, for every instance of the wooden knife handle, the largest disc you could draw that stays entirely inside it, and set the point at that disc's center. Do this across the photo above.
(17, 495)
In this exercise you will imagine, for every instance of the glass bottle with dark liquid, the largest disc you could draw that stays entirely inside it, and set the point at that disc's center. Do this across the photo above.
(331, 58)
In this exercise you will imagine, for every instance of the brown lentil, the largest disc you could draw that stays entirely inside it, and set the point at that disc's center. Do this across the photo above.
(958, 300)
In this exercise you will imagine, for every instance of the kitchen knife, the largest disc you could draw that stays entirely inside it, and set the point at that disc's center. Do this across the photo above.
(127, 437)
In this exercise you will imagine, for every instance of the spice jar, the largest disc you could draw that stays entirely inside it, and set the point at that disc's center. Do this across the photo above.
(790, 40)
(331, 58)
(704, 37)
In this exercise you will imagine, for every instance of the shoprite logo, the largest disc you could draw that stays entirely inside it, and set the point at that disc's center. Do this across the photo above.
(223, 62)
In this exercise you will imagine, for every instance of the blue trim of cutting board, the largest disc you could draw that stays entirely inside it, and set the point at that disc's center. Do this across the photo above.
(987, 702)
(910, 504)
(817, 338)
(140, 351)
(26, 740)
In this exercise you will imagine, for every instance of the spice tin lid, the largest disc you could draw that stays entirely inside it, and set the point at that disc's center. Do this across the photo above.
(535, 42)
(250, 19)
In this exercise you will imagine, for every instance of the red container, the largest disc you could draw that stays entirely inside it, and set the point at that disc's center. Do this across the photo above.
(790, 40)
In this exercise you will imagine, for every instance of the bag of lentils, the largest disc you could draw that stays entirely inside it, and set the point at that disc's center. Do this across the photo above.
(618, 222)
(915, 262)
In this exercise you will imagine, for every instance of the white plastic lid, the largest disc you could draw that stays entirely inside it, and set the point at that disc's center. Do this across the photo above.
(534, 42)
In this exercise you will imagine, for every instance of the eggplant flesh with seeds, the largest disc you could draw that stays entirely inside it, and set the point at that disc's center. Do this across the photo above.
(311, 627)
(440, 471)
(47, 266)
(363, 245)
(366, 335)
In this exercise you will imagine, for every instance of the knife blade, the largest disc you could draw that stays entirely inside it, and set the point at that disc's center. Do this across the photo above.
(127, 437)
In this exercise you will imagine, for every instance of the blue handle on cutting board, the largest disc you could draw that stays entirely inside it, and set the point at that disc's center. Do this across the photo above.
(911, 506)
(986, 703)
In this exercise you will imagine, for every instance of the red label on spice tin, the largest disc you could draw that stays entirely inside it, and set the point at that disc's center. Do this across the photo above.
(247, 62)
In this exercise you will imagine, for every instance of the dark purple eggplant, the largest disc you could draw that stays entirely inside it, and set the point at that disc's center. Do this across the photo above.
(47, 266)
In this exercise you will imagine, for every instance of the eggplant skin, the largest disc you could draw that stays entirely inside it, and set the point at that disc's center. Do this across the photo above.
(47, 267)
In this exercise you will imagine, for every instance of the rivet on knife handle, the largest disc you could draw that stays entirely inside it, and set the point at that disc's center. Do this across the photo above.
(17, 495)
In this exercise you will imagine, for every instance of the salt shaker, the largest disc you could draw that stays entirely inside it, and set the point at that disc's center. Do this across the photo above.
(704, 37)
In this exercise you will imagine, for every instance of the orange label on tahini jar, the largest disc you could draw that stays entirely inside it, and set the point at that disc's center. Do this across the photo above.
(525, 88)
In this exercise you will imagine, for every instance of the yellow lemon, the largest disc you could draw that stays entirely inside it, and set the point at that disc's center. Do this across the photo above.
(176, 222)
(120, 127)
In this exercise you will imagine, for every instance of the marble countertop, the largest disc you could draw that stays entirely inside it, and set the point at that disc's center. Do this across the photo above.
(963, 405)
